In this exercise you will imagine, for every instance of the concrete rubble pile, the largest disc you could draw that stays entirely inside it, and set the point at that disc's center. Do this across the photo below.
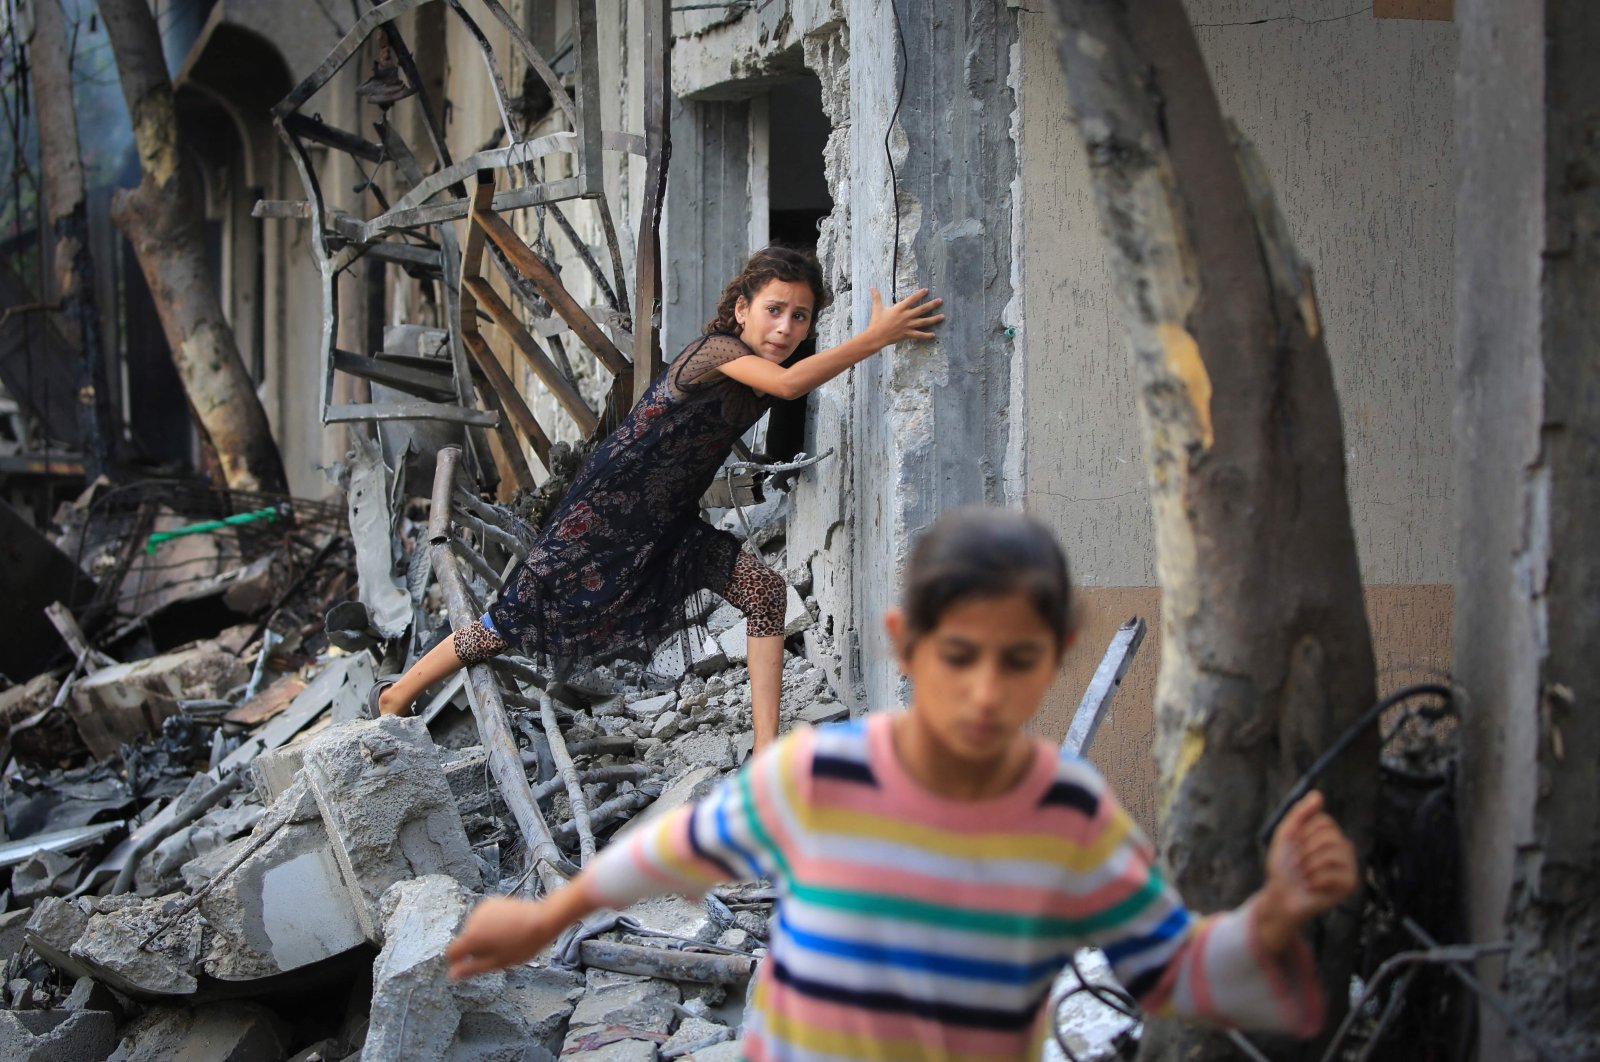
(235, 863)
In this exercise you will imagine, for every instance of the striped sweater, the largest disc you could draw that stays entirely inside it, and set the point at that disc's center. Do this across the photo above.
(910, 926)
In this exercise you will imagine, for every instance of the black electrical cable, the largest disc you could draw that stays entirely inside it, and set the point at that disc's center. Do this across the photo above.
(894, 177)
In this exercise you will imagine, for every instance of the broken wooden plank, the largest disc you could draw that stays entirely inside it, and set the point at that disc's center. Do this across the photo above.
(559, 387)
(429, 384)
(507, 393)
(551, 289)
(505, 758)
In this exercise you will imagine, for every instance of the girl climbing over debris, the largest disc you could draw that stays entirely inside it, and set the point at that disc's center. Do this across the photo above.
(936, 867)
(621, 555)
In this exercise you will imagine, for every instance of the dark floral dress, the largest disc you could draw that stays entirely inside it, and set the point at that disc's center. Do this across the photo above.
(614, 567)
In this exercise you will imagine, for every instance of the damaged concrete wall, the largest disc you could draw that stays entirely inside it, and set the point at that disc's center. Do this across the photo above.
(923, 428)
(1352, 116)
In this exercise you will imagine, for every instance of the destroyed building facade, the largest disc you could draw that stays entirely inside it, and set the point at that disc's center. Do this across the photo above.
(784, 125)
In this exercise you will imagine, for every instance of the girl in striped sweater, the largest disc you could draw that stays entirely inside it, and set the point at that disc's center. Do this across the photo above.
(936, 867)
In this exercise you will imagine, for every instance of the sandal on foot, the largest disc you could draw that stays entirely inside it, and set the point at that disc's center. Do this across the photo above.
(373, 695)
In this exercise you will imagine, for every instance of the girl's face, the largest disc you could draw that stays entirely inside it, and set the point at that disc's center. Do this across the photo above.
(977, 677)
(777, 320)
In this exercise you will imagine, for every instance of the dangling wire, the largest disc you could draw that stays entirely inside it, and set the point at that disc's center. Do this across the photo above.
(894, 177)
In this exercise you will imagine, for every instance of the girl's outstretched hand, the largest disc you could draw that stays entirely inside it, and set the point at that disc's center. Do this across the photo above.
(1311, 868)
(910, 318)
(501, 932)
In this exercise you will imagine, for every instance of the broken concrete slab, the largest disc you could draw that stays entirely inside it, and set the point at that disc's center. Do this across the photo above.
(695, 1034)
(52, 930)
(284, 907)
(56, 1035)
(648, 708)
(126, 703)
(388, 809)
(706, 748)
(418, 1012)
(111, 947)
(726, 1052)
(622, 1007)
(821, 711)
(723, 619)
(234, 1031)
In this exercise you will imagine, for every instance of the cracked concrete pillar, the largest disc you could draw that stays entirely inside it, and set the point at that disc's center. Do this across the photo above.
(931, 421)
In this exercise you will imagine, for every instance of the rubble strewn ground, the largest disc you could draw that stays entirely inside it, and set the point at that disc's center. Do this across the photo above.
(211, 853)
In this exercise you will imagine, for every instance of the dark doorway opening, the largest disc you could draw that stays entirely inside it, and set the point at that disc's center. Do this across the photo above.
(797, 201)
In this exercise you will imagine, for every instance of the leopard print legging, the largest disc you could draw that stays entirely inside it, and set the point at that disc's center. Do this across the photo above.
(753, 589)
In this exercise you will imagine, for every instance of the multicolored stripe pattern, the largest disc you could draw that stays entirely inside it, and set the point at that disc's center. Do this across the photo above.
(913, 927)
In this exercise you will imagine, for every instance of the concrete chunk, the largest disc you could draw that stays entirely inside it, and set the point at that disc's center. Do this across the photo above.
(417, 1012)
(389, 812)
(215, 1032)
(285, 907)
(112, 949)
(56, 1035)
(735, 642)
(650, 707)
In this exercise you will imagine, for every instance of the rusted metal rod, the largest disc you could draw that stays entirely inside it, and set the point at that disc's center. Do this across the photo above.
(621, 772)
(613, 809)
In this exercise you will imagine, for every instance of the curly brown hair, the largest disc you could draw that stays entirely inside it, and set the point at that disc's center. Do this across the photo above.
(770, 263)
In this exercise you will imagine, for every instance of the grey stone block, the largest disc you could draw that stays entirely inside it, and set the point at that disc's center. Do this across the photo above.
(56, 1035)
(389, 812)
(727, 1052)
(417, 1012)
(214, 1032)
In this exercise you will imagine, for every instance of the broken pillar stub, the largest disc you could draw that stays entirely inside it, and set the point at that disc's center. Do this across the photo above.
(418, 1012)
(286, 906)
(388, 810)
(127, 703)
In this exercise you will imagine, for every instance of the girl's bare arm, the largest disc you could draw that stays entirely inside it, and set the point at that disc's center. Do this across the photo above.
(910, 318)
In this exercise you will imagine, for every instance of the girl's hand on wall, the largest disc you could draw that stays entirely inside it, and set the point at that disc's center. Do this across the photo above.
(1311, 868)
(910, 318)
(501, 932)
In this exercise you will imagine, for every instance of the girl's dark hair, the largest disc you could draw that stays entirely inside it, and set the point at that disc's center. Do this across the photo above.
(770, 263)
(978, 552)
